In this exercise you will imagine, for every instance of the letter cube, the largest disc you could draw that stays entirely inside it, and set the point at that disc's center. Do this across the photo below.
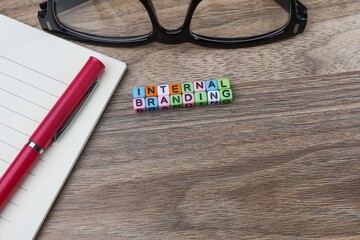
(223, 83)
(151, 91)
(199, 86)
(201, 98)
(176, 101)
(164, 102)
(163, 90)
(213, 97)
(175, 89)
(138, 92)
(187, 87)
(226, 96)
(151, 103)
(139, 105)
(211, 85)
(188, 99)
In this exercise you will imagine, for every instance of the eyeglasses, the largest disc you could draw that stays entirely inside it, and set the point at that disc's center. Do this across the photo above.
(212, 23)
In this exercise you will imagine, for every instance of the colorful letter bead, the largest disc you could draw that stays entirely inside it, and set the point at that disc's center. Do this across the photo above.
(223, 83)
(201, 98)
(151, 91)
(163, 90)
(139, 105)
(187, 87)
(199, 86)
(213, 97)
(175, 89)
(138, 92)
(176, 101)
(211, 85)
(152, 103)
(188, 94)
(226, 96)
(164, 102)
(188, 100)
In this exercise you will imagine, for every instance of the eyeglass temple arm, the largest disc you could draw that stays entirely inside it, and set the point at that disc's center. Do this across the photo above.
(285, 4)
(65, 5)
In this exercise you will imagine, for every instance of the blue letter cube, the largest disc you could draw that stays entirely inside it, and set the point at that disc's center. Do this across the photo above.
(139, 92)
(152, 103)
(211, 85)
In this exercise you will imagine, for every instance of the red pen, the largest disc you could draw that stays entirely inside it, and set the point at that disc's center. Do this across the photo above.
(52, 125)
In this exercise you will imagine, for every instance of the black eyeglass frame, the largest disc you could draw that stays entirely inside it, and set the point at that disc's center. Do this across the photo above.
(295, 25)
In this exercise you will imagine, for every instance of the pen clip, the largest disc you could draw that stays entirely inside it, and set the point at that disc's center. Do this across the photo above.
(73, 115)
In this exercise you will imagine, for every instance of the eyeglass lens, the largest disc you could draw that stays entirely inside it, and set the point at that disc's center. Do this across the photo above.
(212, 18)
(108, 18)
(238, 18)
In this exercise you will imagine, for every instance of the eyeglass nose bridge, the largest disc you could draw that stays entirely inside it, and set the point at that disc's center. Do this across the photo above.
(171, 36)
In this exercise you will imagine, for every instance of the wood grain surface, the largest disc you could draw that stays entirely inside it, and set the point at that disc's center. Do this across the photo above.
(281, 162)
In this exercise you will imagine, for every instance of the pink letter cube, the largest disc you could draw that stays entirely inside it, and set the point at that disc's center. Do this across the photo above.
(164, 102)
(139, 105)
(200, 86)
(188, 100)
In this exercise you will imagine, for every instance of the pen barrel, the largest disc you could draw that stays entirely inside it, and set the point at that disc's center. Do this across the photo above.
(67, 103)
(16, 172)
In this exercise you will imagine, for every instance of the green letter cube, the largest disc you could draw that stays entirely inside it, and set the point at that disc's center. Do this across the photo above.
(223, 83)
(201, 99)
(187, 87)
(226, 96)
(176, 101)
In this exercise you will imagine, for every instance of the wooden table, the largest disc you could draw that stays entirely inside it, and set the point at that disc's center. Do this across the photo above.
(280, 162)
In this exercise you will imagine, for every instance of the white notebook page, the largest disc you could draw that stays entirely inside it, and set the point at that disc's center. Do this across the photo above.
(35, 68)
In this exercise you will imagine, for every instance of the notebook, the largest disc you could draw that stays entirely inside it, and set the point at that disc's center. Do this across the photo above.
(35, 68)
